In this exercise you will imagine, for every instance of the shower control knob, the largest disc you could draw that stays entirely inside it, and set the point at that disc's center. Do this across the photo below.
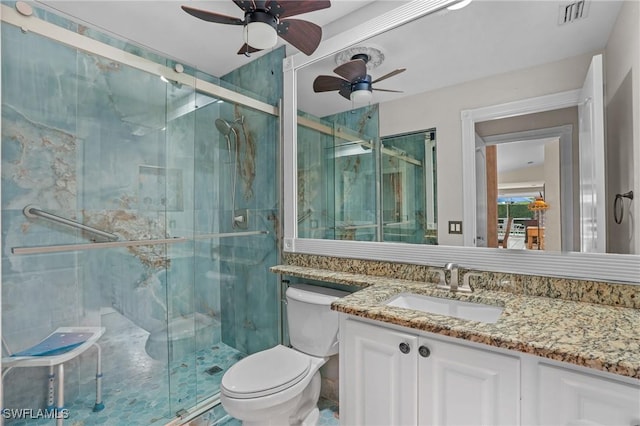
(405, 348)
(424, 351)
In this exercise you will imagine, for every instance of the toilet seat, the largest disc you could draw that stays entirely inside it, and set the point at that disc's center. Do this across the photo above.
(265, 373)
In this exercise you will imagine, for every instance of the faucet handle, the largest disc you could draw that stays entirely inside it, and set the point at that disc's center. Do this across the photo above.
(441, 276)
(465, 281)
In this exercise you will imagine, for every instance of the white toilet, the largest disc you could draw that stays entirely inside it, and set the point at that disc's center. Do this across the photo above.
(281, 385)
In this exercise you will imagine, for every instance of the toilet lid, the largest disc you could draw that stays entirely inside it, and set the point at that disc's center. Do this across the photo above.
(265, 373)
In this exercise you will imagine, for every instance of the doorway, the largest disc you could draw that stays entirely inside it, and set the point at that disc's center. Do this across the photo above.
(519, 166)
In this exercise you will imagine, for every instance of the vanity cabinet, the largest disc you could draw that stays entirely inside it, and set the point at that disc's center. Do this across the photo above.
(378, 382)
(575, 398)
(460, 385)
(392, 377)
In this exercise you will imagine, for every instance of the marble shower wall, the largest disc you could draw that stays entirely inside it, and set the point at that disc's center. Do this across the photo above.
(76, 136)
(316, 178)
(404, 195)
(116, 148)
(337, 178)
(249, 293)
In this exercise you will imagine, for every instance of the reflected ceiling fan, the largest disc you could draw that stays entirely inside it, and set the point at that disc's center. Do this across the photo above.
(264, 21)
(355, 84)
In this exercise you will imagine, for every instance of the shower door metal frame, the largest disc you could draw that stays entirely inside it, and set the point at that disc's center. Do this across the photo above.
(78, 41)
(9, 15)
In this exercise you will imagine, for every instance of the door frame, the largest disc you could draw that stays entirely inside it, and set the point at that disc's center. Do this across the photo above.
(565, 134)
(469, 119)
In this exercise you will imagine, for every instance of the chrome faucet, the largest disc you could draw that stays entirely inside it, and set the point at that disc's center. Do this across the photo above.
(453, 284)
(453, 276)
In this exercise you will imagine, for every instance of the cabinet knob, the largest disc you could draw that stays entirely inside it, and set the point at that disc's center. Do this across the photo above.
(424, 351)
(405, 348)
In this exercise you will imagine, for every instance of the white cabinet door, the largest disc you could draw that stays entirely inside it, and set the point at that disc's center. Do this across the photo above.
(574, 398)
(460, 385)
(380, 386)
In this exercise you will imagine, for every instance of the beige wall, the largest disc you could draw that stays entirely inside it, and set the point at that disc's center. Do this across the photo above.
(622, 103)
(525, 174)
(441, 109)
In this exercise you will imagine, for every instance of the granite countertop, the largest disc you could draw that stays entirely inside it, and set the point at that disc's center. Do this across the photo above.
(601, 337)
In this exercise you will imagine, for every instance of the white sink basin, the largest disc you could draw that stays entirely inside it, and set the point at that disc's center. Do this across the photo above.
(449, 307)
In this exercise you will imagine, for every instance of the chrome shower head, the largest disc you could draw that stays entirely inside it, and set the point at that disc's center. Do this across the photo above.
(223, 126)
(226, 129)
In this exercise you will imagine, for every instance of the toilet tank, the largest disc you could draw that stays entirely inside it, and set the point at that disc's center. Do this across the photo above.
(313, 326)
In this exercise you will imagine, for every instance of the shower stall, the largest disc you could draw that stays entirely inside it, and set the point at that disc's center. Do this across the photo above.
(139, 198)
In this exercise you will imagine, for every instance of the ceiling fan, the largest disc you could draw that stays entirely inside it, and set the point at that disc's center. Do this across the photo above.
(264, 21)
(356, 84)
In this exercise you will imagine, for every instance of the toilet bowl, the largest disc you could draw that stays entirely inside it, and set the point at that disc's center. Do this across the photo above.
(281, 385)
(270, 389)
(181, 335)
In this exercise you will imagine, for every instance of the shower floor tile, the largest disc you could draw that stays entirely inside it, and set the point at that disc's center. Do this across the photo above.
(136, 388)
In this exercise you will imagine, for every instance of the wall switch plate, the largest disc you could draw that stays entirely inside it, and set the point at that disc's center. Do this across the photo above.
(455, 227)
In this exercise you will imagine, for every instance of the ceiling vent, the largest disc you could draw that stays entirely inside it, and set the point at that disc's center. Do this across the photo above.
(572, 12)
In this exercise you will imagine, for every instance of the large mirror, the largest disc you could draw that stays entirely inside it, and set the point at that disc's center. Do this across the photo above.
(477, 67)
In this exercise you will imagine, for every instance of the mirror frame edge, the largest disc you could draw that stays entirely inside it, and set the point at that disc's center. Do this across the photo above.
(575, 265)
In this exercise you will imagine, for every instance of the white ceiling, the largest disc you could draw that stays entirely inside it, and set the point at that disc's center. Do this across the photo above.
(447, 48)
(164, 27)
(518, 155)
(487, 37)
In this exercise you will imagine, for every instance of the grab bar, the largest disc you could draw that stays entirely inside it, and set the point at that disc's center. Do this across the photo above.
(229, 234)
(32, 211)
(94, 246)
(133, 243)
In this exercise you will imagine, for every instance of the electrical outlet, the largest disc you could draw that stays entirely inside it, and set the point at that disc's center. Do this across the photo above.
(455, 227)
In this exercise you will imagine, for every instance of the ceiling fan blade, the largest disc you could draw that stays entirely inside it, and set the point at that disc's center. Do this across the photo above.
(375, 89)
(247, 49)
(303, 35)
(245, 5)
(391, 74)
(212, 16)
(327, 83)
(286, 8)
(345, 92)
(352, 70)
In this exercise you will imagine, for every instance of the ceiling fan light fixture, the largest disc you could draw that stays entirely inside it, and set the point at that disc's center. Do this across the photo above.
(260, 35)
(361, 96)
(260, 30)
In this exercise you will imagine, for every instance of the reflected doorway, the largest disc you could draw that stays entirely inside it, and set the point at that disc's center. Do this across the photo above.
(513, 170)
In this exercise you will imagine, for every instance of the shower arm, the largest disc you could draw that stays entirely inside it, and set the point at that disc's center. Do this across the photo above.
(32, 211)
